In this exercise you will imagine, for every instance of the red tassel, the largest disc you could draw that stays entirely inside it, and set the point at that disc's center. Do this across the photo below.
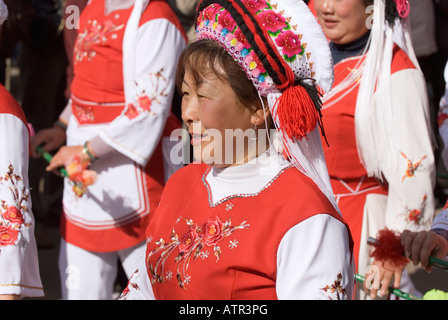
(389, 248)
(296, 113)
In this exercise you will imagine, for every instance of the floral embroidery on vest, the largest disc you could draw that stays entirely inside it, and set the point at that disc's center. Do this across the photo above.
(94, 33)
(189, 246)
(12, 217)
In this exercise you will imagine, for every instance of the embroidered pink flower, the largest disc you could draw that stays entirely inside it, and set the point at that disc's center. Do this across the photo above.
(290, 43)
(211, 12)
(131, 112)
(239, 36)
(13, 215)
(273, 21)
(145, 103)
(187, 240)
(226, 21)
(213, 231)
(8, 236)
(255, 5)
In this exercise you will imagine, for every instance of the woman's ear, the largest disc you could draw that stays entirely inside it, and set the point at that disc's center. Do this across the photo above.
(259, 116)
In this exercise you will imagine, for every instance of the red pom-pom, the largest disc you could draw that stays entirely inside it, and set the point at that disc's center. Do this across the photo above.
(296, 112)
(388, 248)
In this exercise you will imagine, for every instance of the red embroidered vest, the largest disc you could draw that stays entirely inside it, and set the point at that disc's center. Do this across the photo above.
(197, 250)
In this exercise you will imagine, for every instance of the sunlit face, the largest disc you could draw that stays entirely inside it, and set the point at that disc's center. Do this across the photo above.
(342, 21)
(209, 109)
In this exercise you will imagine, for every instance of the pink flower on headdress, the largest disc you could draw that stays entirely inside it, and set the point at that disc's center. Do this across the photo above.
(403, 7)
(290, 43)
(226, 20)
(255, 5)
(273, 22)
(241, 38)
(211, 11)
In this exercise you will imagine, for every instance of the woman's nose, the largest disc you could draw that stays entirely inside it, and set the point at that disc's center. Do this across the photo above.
(189, 110)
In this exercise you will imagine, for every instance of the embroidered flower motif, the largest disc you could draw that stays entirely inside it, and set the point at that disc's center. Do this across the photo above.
(335, 290)
(226, 21)
(188, 239)
(8, 235)
(131, 111)
(255, 5)
(144, 101)
(84, 114)
(411, 166)
(93, 34)
(415, 214)
(12, 215)
(273, 21)
(290, 43)
(190, 246)
(213, 231)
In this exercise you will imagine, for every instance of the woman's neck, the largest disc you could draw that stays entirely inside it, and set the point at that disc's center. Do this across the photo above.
(347, 50)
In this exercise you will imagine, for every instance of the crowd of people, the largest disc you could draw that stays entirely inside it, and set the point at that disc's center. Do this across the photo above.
(312, 127)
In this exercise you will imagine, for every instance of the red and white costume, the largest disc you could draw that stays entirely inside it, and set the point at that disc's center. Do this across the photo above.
(261, 230)
(405, 199)
(19, 265)
(121, 103)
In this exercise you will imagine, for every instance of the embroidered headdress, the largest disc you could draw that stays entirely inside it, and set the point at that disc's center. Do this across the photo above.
(285, 54)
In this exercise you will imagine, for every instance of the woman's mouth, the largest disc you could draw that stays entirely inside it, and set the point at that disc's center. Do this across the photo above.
(330, 23)
(197, 138)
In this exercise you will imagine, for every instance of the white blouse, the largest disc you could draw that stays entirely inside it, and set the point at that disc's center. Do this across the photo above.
(19, 265)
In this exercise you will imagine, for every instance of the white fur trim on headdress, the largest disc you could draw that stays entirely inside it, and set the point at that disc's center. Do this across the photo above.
(3, 12)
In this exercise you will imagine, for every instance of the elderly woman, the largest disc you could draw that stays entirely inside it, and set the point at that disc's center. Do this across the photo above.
(380, 158)
(245, 222)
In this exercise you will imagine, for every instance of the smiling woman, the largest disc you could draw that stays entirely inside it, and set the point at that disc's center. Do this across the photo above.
(220, 108)
(261, 223)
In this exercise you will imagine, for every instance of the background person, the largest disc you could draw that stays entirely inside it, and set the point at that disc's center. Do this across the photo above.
(380, 157)
(124, 67)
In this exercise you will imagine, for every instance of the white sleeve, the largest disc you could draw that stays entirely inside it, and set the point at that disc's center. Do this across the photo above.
(314, 261)
(139, 287)
(137, 131)
(410, 202)
(19, 265)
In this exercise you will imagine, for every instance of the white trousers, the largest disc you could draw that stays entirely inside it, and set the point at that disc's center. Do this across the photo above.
(87, 275)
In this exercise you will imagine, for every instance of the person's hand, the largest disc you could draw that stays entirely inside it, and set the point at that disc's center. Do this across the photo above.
(418, 246)
(65, 155)
(382, 274)
(49, 139)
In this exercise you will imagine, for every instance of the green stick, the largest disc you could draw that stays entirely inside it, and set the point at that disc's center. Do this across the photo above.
(394, 291)
(48, 157)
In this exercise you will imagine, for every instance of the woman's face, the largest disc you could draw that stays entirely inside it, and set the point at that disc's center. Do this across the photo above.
(342, 21)
(216, 120)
